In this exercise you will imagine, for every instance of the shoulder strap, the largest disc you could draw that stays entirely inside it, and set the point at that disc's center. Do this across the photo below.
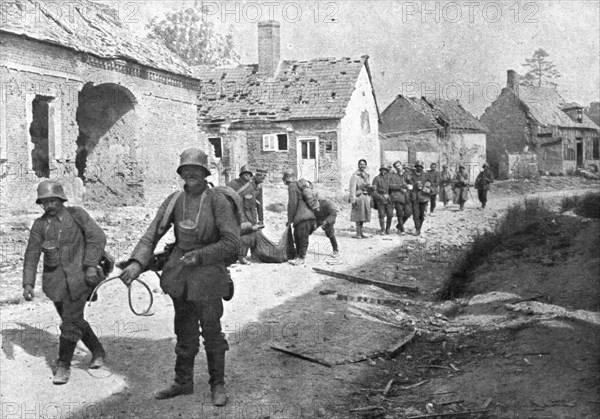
(164, 222)
(73, 212)
(243, 188)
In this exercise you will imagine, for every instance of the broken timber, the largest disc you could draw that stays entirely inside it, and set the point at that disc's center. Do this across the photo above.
(299, 355)
(389, 286)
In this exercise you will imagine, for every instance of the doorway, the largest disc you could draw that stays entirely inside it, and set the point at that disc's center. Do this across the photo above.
(308, 158)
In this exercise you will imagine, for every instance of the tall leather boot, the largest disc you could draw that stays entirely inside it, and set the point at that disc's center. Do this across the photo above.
(90, 340)
(381, 226)
(66, 348)
(184, 379)
(216, 371)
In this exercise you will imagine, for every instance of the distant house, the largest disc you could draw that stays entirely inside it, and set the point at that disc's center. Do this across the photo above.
(86, 102)
(318, 116)
(541, 122)
(434, 131)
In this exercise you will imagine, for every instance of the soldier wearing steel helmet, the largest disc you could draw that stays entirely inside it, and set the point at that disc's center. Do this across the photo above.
(195, 276)
(245, 187)
(72, 244)
(299, 215)
(482, 183)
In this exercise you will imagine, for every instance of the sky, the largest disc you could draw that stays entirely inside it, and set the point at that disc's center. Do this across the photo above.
(443, 49)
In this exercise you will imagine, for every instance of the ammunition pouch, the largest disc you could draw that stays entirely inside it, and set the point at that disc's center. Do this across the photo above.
(158, 260)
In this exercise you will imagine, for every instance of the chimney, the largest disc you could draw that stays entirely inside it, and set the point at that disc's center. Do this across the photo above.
(512, 81)
(268, 47)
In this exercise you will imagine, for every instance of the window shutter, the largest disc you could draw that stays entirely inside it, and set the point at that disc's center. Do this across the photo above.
(269, 141)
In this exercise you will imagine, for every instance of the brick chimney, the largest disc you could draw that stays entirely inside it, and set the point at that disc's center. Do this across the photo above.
(268, 47)
(512, 81)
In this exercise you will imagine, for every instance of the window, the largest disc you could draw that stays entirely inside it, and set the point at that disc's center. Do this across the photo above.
(275, 142)
(218, 147)
(308, 150)
(569, 154)
(596, 148)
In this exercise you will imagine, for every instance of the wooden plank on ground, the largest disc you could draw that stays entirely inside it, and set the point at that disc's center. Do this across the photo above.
(389, 286)
(289, 351)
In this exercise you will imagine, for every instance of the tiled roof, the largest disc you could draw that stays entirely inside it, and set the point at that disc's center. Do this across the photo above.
(455, 115)
(410, 114)
(546, 106)
(316, 89)
(89, 27)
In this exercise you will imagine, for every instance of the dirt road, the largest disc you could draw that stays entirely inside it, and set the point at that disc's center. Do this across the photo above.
(271, 302)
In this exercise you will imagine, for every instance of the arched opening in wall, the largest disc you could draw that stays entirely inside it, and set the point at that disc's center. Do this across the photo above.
(107, 145)
(38, 132)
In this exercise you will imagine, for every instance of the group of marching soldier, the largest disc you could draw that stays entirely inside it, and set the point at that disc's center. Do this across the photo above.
(210, 235)
(410, 191)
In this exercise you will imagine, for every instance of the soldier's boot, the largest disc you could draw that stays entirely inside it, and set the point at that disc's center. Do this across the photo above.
(90, 340)
(382, 227)
(184, 380)
(216, 371)
(66, 348)
(388, 225)
(359, 232)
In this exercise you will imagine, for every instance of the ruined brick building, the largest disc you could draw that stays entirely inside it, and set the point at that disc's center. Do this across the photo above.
(86, 102)
(434, 131)
(318, 116)
(535, 129)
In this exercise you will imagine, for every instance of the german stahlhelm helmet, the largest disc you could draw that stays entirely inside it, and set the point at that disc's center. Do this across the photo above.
(246, 169)
(194, 157)
(288, 174)
(418, 163)
(50, 189)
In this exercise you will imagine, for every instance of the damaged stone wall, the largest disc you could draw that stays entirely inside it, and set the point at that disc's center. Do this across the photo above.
(509, 128)
(522, 165)
(163, 123)
(466, 148)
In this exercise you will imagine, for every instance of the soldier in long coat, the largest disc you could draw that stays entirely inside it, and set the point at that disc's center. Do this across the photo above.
(360, 182)
(72, 243)
(445, 186)
(399, 198)
(381, 200)
(195, 276)
(461, 186)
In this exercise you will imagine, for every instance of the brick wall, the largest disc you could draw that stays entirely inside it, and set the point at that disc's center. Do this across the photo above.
(162, 125)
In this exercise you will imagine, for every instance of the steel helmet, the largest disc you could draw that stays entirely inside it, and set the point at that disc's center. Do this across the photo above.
(50, 189)
(246, 169)
(486, 165)
(194, 157)
(288, 174)
(418, 163)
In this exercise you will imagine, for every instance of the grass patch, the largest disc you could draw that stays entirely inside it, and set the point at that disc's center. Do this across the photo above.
(520, 220)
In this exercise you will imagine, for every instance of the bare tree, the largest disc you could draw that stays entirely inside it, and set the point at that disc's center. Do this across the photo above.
(190, 35)
(540, 70)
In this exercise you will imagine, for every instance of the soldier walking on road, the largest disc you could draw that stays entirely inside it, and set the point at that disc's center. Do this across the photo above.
(482, 184)
(195, 276)
(399, 198)
(299, 216)
(381, 198)
(461, 186)
(73, 244)
(419, 195)
(445, 189)
(434, 178)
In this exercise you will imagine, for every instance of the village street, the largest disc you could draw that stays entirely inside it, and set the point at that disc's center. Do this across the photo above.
(279, 304)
